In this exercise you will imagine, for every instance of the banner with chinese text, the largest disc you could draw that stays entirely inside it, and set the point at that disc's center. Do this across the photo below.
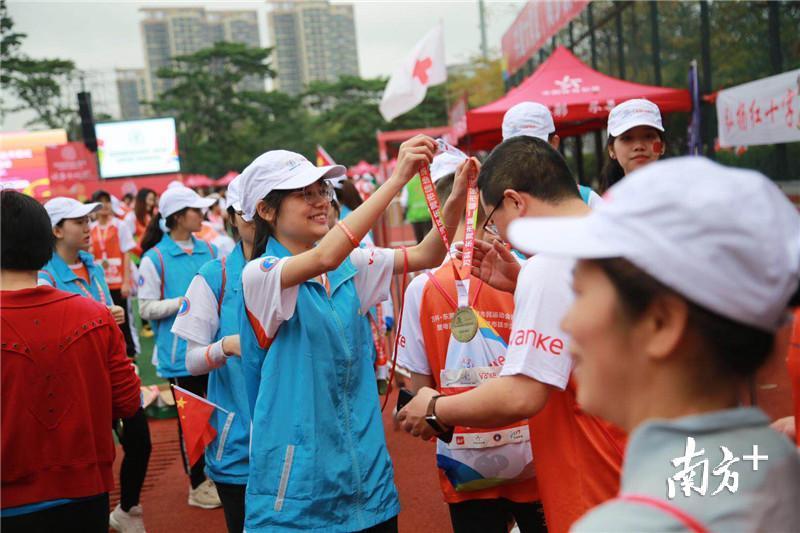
(764, 111)
(535, 24)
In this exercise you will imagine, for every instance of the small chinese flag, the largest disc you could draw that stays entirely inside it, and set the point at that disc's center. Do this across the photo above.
(323, 159)
(194, 414)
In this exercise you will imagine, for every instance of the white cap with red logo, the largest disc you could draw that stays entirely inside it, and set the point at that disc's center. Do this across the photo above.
(531, 119)
(725, 238)
(279, 170)
(632, 113)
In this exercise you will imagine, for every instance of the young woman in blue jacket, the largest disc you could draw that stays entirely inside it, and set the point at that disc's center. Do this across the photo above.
(318, 457)
(171, 258)
(209, 321)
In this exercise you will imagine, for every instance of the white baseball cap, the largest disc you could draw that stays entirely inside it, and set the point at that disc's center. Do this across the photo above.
(233, 195)
(632, 113)
(530, 119)
(446, 161)
(62, 208)
(180, 197)
(116, 206)
(279, 170)
(725, 238)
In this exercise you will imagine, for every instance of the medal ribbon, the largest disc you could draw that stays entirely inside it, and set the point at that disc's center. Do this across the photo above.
(469, 237)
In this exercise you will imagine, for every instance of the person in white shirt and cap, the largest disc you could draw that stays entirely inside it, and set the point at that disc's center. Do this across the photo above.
(677, 302)
(535, 120)
(635, 139)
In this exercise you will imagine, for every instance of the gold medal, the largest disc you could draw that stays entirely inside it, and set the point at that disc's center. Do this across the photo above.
(464, 325)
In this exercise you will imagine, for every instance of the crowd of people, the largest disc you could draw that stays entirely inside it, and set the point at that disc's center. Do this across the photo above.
(579, 359)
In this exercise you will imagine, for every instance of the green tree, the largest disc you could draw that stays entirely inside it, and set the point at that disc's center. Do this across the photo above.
(483, 83)
(35, 83)
(345, 116)
(218, 121)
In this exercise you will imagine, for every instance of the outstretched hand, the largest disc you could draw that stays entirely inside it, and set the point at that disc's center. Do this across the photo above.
(415, 152)
(494, 264)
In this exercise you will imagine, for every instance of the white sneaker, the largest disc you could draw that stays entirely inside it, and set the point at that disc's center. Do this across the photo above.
(130, 522)
(205, 496)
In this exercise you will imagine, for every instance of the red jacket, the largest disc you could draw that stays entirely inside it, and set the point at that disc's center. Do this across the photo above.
(65, 377)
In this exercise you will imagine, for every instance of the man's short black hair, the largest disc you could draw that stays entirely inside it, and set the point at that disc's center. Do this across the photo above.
(101, 195)
(530, 165)
(27, 234)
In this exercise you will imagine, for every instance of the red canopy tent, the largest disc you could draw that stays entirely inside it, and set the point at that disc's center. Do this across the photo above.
(578, 96)
(362, 167)
(198, 180)
(227, 178)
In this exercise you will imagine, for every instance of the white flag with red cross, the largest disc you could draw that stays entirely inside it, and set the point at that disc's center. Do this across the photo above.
(422, 68)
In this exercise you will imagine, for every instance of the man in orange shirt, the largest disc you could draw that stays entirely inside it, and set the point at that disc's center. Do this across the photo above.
(578, 456)
(423, 349)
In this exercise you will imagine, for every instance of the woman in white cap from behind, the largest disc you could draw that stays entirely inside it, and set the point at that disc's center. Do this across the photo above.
(677, 301)
(533, 119)
(318, 458)
(210, 324)
(171, 258)
(635, 139)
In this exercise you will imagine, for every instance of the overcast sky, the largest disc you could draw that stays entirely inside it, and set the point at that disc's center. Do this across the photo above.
(106, 35)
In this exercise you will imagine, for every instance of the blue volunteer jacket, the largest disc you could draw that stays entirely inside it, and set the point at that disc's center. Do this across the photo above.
(176, 269)
(58, 274)
(227, 454)
(318, 458)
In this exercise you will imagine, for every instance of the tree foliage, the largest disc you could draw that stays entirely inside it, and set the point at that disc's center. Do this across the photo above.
(214, 114)
(35, 83)
(344, 116)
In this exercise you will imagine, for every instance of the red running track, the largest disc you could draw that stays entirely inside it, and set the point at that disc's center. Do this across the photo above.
(166, 487)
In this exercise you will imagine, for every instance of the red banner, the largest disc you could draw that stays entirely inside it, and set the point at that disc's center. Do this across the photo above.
(536, 23)
(71, 162)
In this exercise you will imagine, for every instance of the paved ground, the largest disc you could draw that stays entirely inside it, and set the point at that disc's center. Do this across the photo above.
(165, 491)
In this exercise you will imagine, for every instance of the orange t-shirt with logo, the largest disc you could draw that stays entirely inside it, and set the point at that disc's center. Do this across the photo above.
(578, 456)
(423, 346)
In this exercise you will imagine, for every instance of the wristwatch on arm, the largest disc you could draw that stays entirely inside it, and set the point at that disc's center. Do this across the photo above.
(443, 432)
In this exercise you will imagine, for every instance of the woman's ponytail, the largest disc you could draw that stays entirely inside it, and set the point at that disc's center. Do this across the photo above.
(153, 234)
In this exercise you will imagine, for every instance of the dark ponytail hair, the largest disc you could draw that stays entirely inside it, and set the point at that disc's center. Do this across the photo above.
(264, 230)
(153, 234)
(230, 222)
(612, 171)
(348, 195)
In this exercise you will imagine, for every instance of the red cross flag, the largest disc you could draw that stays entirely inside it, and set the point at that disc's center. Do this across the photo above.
(422, 68)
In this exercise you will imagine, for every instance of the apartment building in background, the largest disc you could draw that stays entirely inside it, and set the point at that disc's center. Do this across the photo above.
(173, 31)
(313, 41)
(132, 92)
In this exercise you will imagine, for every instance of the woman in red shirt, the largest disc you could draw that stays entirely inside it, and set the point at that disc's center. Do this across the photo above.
(65, 376)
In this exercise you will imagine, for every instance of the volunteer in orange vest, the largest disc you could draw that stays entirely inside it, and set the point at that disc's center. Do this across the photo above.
(137, 220)
(111, 242)
(426, 349)
(577, 456)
